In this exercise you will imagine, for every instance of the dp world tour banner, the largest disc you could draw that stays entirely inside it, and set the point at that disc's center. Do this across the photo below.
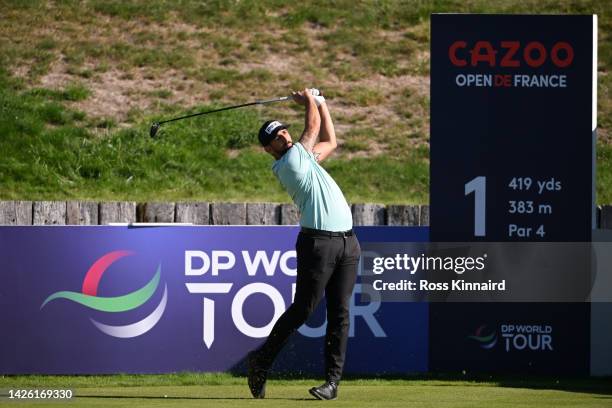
(165, 299)
(513, 119)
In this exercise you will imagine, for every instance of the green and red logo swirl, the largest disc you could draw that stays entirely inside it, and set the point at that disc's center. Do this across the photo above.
(88, 297)
(485, 341)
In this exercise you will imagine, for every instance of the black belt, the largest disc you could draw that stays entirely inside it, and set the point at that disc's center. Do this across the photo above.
(311, 231)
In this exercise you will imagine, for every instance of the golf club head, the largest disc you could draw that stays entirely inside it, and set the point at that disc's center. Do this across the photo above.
(154, 129)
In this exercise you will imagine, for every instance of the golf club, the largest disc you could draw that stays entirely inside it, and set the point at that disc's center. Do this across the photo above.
(155, 127)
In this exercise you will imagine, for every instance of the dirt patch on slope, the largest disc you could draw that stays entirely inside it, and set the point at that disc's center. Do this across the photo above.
(279, 64)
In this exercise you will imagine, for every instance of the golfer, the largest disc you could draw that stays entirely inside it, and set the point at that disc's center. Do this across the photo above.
(327, 250)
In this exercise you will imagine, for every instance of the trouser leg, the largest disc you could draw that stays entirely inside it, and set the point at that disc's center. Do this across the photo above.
(338, 296)
(315, 265)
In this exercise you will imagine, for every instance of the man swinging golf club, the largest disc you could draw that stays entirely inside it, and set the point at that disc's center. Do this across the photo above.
(327, 250)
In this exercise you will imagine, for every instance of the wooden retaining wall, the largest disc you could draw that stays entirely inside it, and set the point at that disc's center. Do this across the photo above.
(204, 213)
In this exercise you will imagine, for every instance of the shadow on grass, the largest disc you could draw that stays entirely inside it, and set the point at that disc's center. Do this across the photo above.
(600, 386)
(584, 384)
(186, 398)
(592, 385)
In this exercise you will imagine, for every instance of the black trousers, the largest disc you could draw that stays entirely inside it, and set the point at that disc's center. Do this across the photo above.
(325, 264)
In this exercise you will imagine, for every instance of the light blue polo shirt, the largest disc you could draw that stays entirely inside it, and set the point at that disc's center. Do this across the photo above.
(322, 205)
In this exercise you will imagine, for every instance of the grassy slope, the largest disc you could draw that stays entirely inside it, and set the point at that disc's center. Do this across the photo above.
(80, 84)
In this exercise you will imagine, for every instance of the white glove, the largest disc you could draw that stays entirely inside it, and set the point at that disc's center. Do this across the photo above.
(319, 99)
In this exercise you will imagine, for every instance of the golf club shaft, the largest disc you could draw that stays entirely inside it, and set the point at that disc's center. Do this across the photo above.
(260, 102)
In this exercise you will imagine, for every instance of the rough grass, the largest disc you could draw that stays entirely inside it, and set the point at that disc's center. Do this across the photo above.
(49, 152)
(80, 83)
(194, 389)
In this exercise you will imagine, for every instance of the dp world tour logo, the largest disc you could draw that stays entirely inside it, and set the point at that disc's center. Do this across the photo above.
(88, 297)
(486, 341)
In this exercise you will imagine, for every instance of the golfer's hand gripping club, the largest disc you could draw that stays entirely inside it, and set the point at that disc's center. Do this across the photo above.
(300, 97)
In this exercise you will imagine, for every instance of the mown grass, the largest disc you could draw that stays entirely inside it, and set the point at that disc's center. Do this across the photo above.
(600, 385)
(58, 142)
(224, 390)
(353, 396)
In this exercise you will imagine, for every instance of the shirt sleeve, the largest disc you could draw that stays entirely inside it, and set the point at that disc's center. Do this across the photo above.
(298, 160)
